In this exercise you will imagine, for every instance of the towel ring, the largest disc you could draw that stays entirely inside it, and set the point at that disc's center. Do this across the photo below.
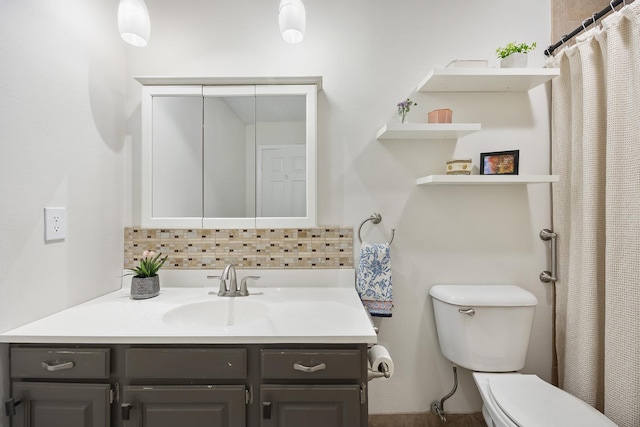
(375, 218)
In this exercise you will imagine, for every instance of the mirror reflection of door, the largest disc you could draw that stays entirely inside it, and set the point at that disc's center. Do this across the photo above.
(282, 181)
(281, 163)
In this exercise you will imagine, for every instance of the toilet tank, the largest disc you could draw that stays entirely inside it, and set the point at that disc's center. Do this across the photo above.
(484, 327)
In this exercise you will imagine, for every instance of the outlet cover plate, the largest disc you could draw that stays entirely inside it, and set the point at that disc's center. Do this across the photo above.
(55, 224)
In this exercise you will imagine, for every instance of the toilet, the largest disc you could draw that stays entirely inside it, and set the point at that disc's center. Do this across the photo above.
(486, 328)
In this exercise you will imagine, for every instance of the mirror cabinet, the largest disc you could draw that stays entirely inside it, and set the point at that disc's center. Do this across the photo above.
(228, 153)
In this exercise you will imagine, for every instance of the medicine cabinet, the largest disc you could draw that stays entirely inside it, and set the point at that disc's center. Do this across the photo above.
(228, 154)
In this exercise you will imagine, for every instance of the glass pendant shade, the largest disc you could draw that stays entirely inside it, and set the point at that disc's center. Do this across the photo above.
(293, 20)
(133, 22)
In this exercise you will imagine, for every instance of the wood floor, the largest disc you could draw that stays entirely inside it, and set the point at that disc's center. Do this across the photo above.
(426, 420)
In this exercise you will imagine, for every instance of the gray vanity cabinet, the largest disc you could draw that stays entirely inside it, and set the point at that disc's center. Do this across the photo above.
(208, 385)
(169, 387)
(53, 387)
(310, 405)
(192, 406)
(312, 387)
(59, 404)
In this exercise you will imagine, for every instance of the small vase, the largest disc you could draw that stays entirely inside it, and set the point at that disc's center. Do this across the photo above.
(145, 287)
(404, 118)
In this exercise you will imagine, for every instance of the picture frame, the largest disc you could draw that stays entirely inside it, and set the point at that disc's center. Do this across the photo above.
(499, 163)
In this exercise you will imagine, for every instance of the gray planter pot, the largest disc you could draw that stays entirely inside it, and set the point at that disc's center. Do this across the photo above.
(145, 287)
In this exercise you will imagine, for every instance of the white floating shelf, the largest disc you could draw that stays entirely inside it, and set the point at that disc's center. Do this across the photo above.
(486, 79)
(486, 179)
(426, 130)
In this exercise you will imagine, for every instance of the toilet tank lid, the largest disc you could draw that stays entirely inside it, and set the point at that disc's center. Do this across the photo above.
(484, 295)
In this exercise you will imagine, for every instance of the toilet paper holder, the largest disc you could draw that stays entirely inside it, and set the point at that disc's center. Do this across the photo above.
(379, 363)
(383, 368)
(383, 372)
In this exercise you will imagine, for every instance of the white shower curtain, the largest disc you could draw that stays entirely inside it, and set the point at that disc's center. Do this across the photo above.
(596, 214)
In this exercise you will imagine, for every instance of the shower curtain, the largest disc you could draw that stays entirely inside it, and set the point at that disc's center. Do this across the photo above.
(596, 214)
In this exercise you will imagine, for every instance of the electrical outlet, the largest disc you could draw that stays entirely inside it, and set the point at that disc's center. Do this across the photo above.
(55, 224)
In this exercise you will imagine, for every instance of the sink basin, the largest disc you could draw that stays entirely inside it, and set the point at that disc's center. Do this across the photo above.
(216, 313)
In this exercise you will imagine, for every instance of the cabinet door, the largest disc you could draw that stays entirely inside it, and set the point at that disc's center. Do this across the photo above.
(56, 405)
(310, 406)
(192, 406)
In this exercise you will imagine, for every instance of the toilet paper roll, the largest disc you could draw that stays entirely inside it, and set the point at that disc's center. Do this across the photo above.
(378, 354)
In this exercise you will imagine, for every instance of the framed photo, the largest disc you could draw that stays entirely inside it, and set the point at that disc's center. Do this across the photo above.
(499, 163)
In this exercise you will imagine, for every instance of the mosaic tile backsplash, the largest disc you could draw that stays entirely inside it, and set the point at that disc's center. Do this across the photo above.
(328, 247)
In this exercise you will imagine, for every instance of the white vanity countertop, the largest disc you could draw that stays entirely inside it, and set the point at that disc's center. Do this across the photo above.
(287, 314)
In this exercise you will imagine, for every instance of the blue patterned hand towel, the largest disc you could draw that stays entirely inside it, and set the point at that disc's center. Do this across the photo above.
(373, 281)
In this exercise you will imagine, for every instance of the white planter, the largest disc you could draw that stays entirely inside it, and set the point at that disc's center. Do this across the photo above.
(515, 60)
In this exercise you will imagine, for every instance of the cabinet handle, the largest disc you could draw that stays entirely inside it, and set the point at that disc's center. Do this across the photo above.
(298, 366)
(126, 411)
(266, 410)
(10, 406)
(58, 366)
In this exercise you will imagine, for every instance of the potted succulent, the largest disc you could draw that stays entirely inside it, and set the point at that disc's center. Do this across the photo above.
(145, 282)
(514, 55)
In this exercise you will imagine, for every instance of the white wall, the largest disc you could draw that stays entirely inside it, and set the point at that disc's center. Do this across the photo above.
(62, 143)
(371, 55)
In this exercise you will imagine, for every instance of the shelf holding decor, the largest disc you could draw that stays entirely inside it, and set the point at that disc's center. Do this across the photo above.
(465, 79)
(430, 131)
(487, 179)
(486, 79)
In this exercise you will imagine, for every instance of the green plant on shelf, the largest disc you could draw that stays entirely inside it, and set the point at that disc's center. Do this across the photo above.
(512, 47)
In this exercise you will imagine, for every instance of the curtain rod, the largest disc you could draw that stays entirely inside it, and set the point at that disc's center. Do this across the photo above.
(589, 21)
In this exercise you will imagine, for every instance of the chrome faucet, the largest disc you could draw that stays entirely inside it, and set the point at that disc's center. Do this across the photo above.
(229, 283)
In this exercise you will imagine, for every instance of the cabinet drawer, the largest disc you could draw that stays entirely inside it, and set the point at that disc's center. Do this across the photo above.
(310, 364)
(186, 363)
(60, 363)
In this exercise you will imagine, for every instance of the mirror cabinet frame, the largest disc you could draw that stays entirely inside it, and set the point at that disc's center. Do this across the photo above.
(181, 86)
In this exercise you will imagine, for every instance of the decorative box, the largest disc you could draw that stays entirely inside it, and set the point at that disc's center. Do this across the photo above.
(443, 115)
(459, 167)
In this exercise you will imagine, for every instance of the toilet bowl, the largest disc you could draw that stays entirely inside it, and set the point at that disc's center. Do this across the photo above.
(516, 400)
(486, 328)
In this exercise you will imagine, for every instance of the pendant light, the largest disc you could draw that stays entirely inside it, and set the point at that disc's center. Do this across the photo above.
(293, 20)
(133, 22)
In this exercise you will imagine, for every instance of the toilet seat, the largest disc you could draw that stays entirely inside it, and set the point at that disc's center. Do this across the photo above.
(527, 400)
